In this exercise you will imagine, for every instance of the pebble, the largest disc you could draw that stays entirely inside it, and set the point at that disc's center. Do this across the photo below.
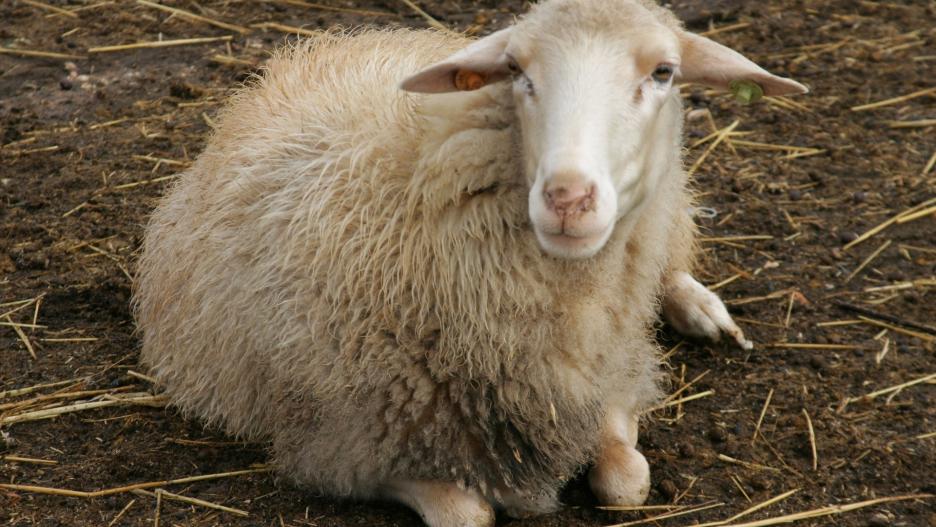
(847, 236)
(65, 84)
(795, 194)
(667, 488)
(859, 197)
(686, 450)
(717, 435)
(879, 520)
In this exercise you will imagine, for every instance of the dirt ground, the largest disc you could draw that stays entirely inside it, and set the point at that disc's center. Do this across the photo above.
(88, 144)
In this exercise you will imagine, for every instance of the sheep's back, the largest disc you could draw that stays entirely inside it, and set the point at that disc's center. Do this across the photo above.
(228, 248)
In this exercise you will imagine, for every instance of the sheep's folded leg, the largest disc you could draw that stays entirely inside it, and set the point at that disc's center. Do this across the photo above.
(697, 312)
(621, 475)
(441, 504)
(519, 505)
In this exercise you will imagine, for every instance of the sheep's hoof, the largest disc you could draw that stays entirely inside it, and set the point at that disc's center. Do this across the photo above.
(520, 506)
(442, 504)
(621, 476)
(695, 311)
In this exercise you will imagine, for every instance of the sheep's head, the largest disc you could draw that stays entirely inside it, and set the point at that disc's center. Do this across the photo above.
(593, 82)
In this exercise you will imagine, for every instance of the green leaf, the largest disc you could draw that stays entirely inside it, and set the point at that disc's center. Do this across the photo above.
(746, 91)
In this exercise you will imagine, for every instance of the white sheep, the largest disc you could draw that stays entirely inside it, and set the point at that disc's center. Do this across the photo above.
(445, 300)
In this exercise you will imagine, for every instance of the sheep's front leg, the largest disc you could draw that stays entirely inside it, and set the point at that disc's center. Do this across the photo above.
(697, 312)
(621, 475)
(441, 504)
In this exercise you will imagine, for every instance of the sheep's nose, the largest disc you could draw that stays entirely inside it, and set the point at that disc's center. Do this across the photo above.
(567, 195)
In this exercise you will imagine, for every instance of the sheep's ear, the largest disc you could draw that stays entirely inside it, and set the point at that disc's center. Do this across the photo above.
(472, 68)
(707, 62)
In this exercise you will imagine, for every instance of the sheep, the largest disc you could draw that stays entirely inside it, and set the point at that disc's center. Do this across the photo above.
(427, 268)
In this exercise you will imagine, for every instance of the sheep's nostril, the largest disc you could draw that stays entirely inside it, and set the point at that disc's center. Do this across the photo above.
(569, 199)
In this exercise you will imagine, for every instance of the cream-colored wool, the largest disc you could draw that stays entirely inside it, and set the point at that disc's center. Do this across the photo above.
(348, 271)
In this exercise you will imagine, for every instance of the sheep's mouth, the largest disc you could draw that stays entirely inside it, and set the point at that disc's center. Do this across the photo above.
(563, 244)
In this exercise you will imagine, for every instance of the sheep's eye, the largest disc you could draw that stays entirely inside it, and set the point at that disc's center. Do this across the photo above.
(513, 66)
(663, 73)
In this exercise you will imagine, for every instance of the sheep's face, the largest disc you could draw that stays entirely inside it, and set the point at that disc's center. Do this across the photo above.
(596, 137)
(595, 100)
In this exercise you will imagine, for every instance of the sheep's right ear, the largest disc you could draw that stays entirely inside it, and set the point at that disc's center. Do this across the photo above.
(707, 62)
(481, 63)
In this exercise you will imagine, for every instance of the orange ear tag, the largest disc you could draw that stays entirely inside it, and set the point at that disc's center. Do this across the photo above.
(466, 80)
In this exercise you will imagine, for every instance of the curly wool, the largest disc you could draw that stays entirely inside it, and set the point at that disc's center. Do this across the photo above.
(349, 272)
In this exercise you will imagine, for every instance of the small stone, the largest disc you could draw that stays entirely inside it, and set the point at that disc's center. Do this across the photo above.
(879, 520)
(847, 236)
(760, 483)
(667, 488)
(717, 435)
(65, 84)
(817, 363)
(795, 194)
(686, 450)
(698, 98)
(859, 197)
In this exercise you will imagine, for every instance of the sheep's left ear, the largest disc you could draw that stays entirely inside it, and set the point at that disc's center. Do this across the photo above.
(472, 68)
(707, 62)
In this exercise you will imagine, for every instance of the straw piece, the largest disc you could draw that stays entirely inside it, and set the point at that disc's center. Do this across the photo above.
(40, 54)
(30, 460)
(145, 182)
(921, 123)
(323, 7)
(760, 419)
(22, 336)
(872, 314)
(868, 260)
(750, 237)
(156, 401)
(725, 29)
(726, 281)
(812, 441)
(160, 44)
(895, 100)
(192, 16)
(813, 345)
(828, 511)
(898, 329)
(929, 165)
(31, 389)
(190, 501)
(47, 7)
(640, 508)
(686, 386)
(668, 515)
(747, 464)
(141, 376)
(921, 213)
(283, 28)
(722, 135)
(753, 509)
(886, 391)
(888, 223)
(121, 513)
(121, 490)
(432, 21)
(681, 401)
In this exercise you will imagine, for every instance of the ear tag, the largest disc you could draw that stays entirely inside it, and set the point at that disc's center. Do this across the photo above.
(467, 80)
(746, 91)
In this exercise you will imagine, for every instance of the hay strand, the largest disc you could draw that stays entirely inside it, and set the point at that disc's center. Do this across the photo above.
(197, 18)
(191, 501)
(128, 488)
(160, 44)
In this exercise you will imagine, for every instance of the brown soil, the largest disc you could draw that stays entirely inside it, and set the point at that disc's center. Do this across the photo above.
(79, 172)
